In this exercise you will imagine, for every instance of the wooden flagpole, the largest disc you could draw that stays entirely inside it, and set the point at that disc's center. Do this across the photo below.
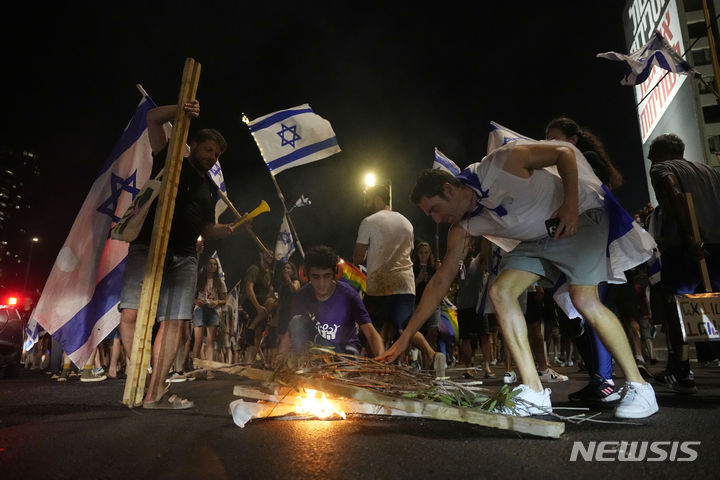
(147, 310)
(697, 238)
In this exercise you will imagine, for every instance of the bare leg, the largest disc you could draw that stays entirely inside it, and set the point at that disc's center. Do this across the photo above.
(127, 329)
(485, 347)
(210, 343)
(165, 347)
(114, 357)
(199, 332)
(586, 300)
(504, 293)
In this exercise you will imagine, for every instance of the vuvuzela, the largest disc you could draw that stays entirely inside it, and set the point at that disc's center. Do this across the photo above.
(262, 208)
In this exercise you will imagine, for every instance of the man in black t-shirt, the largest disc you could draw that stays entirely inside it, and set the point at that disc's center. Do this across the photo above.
(193, 216)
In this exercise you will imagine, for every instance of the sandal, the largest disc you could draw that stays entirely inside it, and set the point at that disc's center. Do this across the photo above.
(172, 402)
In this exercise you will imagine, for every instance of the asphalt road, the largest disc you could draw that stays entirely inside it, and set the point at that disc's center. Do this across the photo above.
(81, 430)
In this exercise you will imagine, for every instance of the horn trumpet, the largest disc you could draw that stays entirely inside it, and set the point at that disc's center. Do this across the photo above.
(262, 208)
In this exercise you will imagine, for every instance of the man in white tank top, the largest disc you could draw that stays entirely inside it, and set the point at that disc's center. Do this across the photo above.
(507, 197)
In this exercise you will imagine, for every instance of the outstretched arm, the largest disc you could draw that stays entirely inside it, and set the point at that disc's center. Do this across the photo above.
(373, 338)
(434, 291)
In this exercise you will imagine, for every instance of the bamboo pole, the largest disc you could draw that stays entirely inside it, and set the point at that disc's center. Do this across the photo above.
(147, 310)
(697, 238)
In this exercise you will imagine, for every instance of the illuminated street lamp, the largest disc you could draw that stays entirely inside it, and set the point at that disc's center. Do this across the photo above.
(371, 181)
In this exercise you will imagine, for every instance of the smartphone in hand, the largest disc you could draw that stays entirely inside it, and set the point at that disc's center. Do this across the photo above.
(551, 225)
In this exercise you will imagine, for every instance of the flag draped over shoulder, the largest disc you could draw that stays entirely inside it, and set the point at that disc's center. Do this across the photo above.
(285, 245)
(78, 305)
(293, 137)
(442, 162)
(500, 136)
(656, 52)
(628, 244)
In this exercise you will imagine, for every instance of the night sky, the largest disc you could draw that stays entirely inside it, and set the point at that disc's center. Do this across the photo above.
(394, 81)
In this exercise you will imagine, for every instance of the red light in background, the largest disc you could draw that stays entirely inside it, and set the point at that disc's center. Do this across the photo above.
(12, 301)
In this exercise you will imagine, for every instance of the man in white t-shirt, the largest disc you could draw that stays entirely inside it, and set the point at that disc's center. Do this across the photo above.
(385, 243)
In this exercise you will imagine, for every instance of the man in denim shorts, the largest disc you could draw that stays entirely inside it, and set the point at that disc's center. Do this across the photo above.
(507, 197)
(194, 215)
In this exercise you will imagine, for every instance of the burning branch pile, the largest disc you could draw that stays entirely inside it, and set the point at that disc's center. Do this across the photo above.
(359, 385)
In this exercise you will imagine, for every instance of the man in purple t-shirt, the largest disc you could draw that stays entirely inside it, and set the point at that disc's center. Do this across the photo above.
(327, 312)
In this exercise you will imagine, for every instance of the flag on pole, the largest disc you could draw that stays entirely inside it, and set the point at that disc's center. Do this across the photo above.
(216, 175)
(293, 137)
(353, 275)
(656, 52)
(78, 305)
(303, 201)
(32, 332)
(285, 246)
(449, 328)
(441, 162)
(221, 273)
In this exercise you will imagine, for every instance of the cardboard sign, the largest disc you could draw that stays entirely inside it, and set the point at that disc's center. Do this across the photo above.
(699, 316)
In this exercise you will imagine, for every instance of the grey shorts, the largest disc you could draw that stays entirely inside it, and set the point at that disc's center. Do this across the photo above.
(177, 292)
(582, 257)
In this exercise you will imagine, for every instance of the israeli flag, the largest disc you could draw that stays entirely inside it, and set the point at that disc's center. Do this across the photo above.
(656, 52)
(441, 162)
(220, 269)
(32, 332)
(303, 201)
(500, 136)
(216, 175)
(628, 243)
(79, 304)
(285, 245)
(293, 137)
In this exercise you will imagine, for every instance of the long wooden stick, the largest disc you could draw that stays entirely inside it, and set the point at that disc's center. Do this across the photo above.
(697, 238)
(147, 310)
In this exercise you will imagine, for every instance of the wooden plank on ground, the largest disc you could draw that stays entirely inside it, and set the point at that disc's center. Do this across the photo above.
(423, 408)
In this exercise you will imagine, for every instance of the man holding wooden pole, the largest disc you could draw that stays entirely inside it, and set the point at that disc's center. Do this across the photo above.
(690, 257)
(194, 215)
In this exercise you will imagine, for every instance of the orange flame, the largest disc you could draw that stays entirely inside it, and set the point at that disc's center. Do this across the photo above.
(317, 405)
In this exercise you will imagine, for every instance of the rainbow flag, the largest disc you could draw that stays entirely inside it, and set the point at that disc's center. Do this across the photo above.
(448, 320)
(352, 275)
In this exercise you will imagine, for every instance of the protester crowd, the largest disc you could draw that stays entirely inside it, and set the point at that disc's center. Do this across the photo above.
(278, 307)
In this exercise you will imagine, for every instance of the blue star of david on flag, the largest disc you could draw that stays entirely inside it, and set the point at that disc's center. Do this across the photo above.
(117, 186)
(310, 136)
(293, 130)
(284, 246)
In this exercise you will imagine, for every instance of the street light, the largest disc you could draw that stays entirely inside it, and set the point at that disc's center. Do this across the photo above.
(371, 181)
(33, 241)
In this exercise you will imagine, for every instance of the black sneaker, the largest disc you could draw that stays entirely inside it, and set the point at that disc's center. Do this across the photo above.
(677, 381)
(597, 390)
(644, 372)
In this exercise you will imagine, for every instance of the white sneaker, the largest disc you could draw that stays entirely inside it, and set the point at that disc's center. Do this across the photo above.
(529, 402)
(439, 364)
(493, 362)
(638, 401)
(551, 376)
(510, 377)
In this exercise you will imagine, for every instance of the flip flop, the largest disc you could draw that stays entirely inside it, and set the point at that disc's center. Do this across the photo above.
(173, 402)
